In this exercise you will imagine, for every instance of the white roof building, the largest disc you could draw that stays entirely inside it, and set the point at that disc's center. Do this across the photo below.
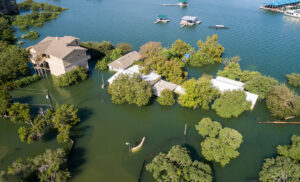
(225, 84)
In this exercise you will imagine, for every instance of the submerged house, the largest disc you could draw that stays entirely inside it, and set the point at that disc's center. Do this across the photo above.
(60, 54)
(189, 21)
(125, 61)
(225, 84)
(8, 7)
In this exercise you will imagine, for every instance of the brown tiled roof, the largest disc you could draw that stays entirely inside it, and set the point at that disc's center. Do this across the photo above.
(56, 46)
(125, 61)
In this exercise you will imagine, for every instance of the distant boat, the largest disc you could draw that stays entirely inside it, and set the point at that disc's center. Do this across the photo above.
(218, 27)
(162, 18)
(293, 13)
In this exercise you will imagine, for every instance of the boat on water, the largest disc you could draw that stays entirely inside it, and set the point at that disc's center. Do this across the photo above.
(218, 27)
(162, 18)
(189, 21)
(293, 13)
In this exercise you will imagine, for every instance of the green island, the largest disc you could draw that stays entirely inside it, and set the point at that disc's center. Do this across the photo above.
(129, 79)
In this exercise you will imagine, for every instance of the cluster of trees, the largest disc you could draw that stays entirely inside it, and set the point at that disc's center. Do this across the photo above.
(31, 35)
(198, 93)
(286, 166)
(72, 77)
(231, 104)
(177, 165)
(47, 167)
(166, 98)
(294, 79)
(283, 102)
(209, 52)
(13, 61)
(63, 118)
(165, 62)
(220, 144)
(105, 52)
(130, 89)
(41, 13)
(6, 29)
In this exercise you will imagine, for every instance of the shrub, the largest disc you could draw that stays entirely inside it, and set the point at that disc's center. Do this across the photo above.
(166, 98)
(130, 89)
(72, 77)
(31, 35)
(231, 104)
(294, 79)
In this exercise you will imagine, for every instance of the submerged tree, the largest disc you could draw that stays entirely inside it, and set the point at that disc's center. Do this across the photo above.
(198, 93)
(220, 144)
(131, 89)
(166, 98)
(281, 169)
(231, 104)
(177, 165)
(283, 102)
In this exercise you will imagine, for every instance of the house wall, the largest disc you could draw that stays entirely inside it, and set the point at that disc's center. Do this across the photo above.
(56, 66)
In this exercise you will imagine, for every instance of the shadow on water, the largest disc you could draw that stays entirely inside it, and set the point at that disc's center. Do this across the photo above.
(78, 158)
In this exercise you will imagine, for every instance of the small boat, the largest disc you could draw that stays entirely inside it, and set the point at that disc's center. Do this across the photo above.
(218, 27)
(293, 13)
(162, 18)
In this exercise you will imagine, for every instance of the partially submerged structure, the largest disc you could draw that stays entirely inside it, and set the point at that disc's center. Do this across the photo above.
(225, 84)
(189, 21)
(125, 61)
(60, 54)
(8, 7)
(162, 18)
(280, 5)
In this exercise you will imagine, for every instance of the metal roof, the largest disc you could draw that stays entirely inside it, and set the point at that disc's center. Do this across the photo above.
(281, 2)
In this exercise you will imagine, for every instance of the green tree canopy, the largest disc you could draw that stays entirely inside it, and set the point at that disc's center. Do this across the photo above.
(294, 79)
(231, 104)
(220, 144)
(125, 47)
(261, 85)
(281, 169)
(291, 151)
(283, 102)
(130, 89)
(209, 52)
(166, 98)
(177, 165)
(198, 93)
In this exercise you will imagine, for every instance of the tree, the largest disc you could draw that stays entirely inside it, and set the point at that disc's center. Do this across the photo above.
(131, 89)
(180, 48)
(291, 151)
(166, 98)
(294, 79)
(220, 144)
(207, 127)
(5, 102)
(63, 119)
(72, 77)
(260, 85)
(198, 93)
(13, 61)
(232, 71)
(283, 102)
(151, 48)
(280, 169)
(125, 47)
(209, 52)
(177, 165)
(103, 63)
(231, 104)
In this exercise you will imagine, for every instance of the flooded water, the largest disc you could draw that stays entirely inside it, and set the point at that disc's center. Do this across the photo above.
(266, 42)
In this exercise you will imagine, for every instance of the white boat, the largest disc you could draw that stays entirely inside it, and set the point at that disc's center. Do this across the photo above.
(293, 13)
